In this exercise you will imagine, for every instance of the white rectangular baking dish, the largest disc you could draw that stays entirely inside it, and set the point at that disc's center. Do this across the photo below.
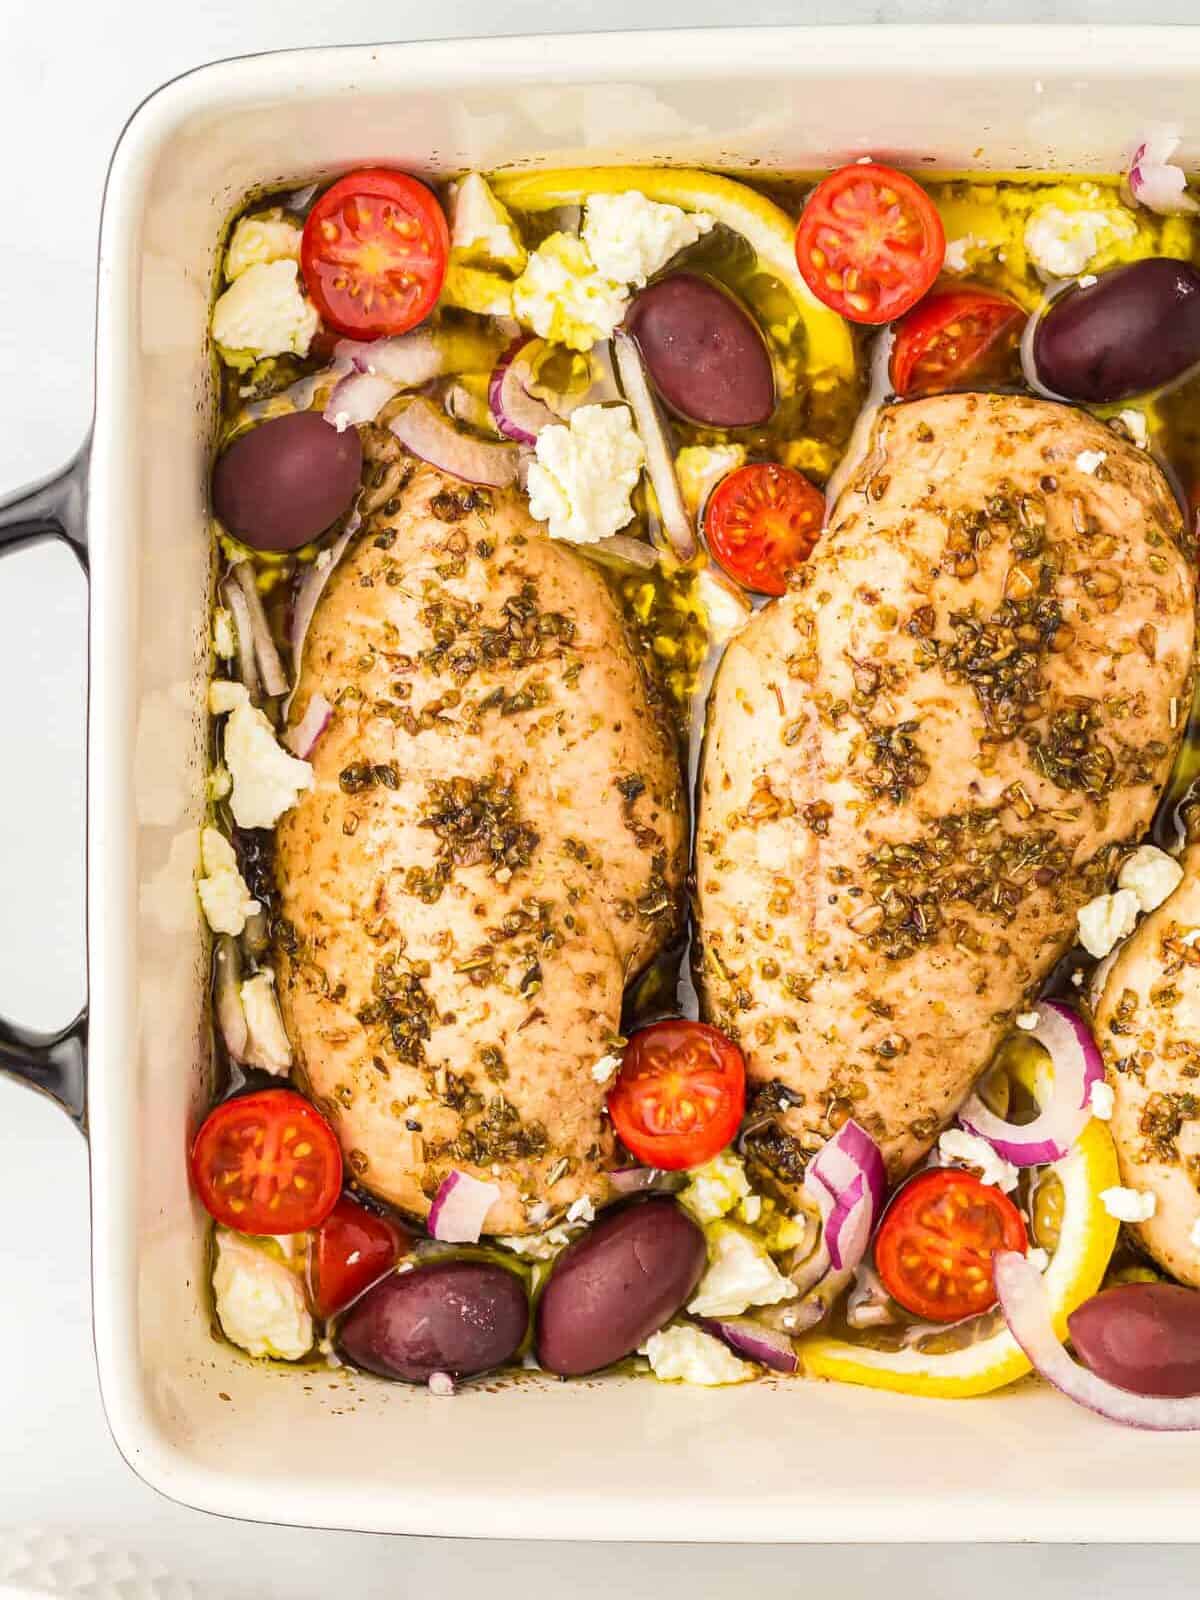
(605, 1459)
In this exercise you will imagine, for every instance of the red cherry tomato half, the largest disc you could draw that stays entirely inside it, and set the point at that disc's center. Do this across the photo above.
(869, 242)
(954, 337)
(374, 253)
(935, 1244)
(352, 1249)
(267, 1163)
(680, 1094)
(761, 522)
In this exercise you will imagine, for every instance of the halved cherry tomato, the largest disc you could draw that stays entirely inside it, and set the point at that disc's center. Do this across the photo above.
(869, 242)
(935, 1244)
(267, 1163)
(374, 253)
(680, 1094)
(761, 522)
(951, 337)
(353, 1248)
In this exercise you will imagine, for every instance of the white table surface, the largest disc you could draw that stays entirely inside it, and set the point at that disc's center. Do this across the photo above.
(70, 72)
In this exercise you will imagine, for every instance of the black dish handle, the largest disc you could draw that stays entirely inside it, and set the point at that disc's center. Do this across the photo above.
(55, 1063)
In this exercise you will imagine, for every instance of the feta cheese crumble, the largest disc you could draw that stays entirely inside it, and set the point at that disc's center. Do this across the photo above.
(224, 638)
(955, 259)
(1106, 920)
(581, 1210)
(687, 1355)
(482, 231)
(1135, 421)
(1129, 1205)
(267, 236)
(267, 781)
(1150, 874)
(740, 1274)
(700, 468)
(968, 1149)
(714, 1189)
(630, 237)
(264, 313)
(1102, 1099)
(267, 1045)
(223, 892)
(1089, 460)
(584, 473)
(606, 1069)
(1028, 1020)
(562, 297)
(260, 1302)
(1062, 243)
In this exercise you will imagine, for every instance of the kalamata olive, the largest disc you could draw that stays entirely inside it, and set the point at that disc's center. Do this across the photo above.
(618, 1284)
(1135, 329)
(285, 481)
(1141, 1336)
(455, 1316)
(705, 353)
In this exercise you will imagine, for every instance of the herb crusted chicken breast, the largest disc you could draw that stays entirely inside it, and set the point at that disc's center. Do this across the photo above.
(925, 757)
(492, 846)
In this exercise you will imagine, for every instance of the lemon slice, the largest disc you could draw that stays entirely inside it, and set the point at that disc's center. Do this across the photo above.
(768, 230)
(1085, 1244)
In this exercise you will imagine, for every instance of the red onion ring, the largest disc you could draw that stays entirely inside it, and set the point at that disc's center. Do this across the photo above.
(848, 1180)
(1026, 1308)
(466, 407)
(1154, 180)
(235, 602)
(302, 739)
(358, 397)
(1077, 1066)
(408, 359)
(312, 586)
(660, 461)
(518, 415)
(426, 433)
(752, 1340)
(460, 1208)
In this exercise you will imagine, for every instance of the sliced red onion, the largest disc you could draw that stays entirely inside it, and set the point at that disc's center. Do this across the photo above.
(1154, 180)
(622, 547)
(640, 1180)
(227, 997)
(300, 395)
(358, 397)
(813, 1270)
(235, 602)
(408, 360)
(660, 458)
(275, 679)
(518, 415)
(302, 739)
(460, 1208)
(464, 406)
(426, 433)
(1026, 1307)
(312, 586)
(1077, 1066)
(848, 1180)
(752, 1340)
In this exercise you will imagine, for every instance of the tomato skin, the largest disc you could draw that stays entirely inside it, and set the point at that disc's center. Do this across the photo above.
(267, 1163)
(351, 1230)
(680, 1094)
(761, 522)
(869, 242)
(374, 253)
(950, 337)
(943, 1215)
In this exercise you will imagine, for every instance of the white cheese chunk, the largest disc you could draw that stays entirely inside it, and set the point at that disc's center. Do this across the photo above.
(740, 1274)
(264, 313)
(482, 232)
(1150, 874)
(266, 236)
(630, 237)
(700, 467)
(606, 1069)
(1062, 243)
(968, 1149)
(226, 899)
(585, 472)
(1089, 461)
(224, 638)
(1106, 920)
(267, 781)
(718, 1186)
(561, 296)
(1135, 421)
(1102, 1099)
(268, 1046)
(1129, 1205)
(260, 1302)
(687, 1355)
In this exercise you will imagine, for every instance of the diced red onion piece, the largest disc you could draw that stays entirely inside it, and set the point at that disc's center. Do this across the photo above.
(275, 679)
(1077, 1066)
(301, 740)
(518, 415)
(235, 602)
(227, 997)
(752, 1340)
(1154, 180)
(660, 459)
(408, 360)
(848, 1180)
(460, 1208)
(429, 435)
(1026, 1307)
(312, 586)
(358, 397)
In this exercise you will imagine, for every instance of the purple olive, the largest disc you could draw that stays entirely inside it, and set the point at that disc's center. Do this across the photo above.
(1135, 329)
(287, 480)
(704, 352)
(618, 1284)
(1141, 1336)
(455, 1316)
